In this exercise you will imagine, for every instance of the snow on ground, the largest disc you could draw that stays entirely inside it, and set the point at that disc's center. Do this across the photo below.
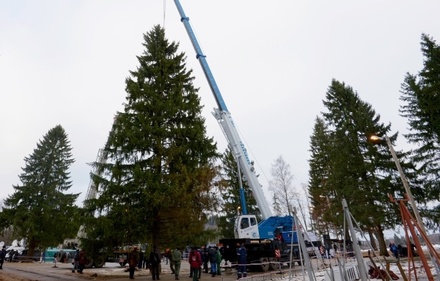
(324, 269)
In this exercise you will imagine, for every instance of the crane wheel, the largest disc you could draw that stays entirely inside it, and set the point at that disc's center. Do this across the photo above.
(59, 257)
(264, 264)
(273, 265)
(89, 263)
(98, 262)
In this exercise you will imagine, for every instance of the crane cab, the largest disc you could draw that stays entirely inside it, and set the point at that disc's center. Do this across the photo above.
(246, 226)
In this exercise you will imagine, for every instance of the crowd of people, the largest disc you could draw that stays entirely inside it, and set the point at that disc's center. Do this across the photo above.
(200, 258)
(205, 259)
(79, 261)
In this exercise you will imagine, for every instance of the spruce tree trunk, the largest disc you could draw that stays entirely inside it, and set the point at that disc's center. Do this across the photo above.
(31, 247)
(382, 246)
(372, 239)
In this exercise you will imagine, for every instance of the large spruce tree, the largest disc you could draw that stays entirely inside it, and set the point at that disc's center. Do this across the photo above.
(352, 167)
(421, 94)
(155, 184)
(40, 210)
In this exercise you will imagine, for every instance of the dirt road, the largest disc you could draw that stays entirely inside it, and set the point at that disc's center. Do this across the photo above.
(111, 271)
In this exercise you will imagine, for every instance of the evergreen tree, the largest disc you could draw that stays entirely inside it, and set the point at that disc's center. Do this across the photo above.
(352, 167)
(229, 187)
(155, 185)
(319, 171)
(39, 210)
(421, 94)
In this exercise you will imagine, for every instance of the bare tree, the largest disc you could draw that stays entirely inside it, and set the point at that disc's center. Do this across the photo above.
(281, 185)
(276, 206)
(305, 200)
(302, 212)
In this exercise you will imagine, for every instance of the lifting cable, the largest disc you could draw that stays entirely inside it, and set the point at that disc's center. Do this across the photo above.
(164, 12)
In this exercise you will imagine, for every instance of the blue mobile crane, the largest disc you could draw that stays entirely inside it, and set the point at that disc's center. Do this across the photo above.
(246, 229)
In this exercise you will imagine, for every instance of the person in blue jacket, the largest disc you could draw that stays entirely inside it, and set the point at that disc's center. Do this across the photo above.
(393, 249)
(212, 251)
(242, 261)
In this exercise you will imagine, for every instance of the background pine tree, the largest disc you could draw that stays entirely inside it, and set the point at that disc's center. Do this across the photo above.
(421, 94)
(346, 165)
(39, 210)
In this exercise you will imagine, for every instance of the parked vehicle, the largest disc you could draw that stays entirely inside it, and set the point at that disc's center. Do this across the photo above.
(62, 255)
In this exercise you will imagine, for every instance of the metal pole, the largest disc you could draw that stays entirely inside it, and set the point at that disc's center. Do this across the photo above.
(411, 199)
(405, 183)
(303, 249)
(359, 258)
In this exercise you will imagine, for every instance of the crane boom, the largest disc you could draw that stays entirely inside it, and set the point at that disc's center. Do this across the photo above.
(224, 118)
(201, 58)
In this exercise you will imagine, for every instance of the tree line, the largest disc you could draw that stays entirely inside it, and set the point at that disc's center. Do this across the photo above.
(346, 163)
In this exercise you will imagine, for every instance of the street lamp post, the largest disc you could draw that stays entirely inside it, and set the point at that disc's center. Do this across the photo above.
(404, 180)
(407, 190)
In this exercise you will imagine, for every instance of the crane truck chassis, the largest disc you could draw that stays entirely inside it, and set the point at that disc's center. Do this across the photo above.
(260, 252)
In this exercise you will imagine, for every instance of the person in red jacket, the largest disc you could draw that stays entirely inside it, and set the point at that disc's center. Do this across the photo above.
(195, 262)
(82, 261)
(278, 257)
(133, 260)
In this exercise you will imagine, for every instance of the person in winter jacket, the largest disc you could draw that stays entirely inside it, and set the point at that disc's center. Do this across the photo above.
(278, 257)
(76, 262)
(393, 249)
(205, 258)
(218, 258)
(167, 255)
(2, 256)
(212, 251)
(82, 261)
(242, 261)
(155, 262)
(176, 258)
(195, 262)
(133, 260)
(203, 261)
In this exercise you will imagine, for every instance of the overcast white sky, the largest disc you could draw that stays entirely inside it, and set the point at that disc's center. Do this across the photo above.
(65, 62)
